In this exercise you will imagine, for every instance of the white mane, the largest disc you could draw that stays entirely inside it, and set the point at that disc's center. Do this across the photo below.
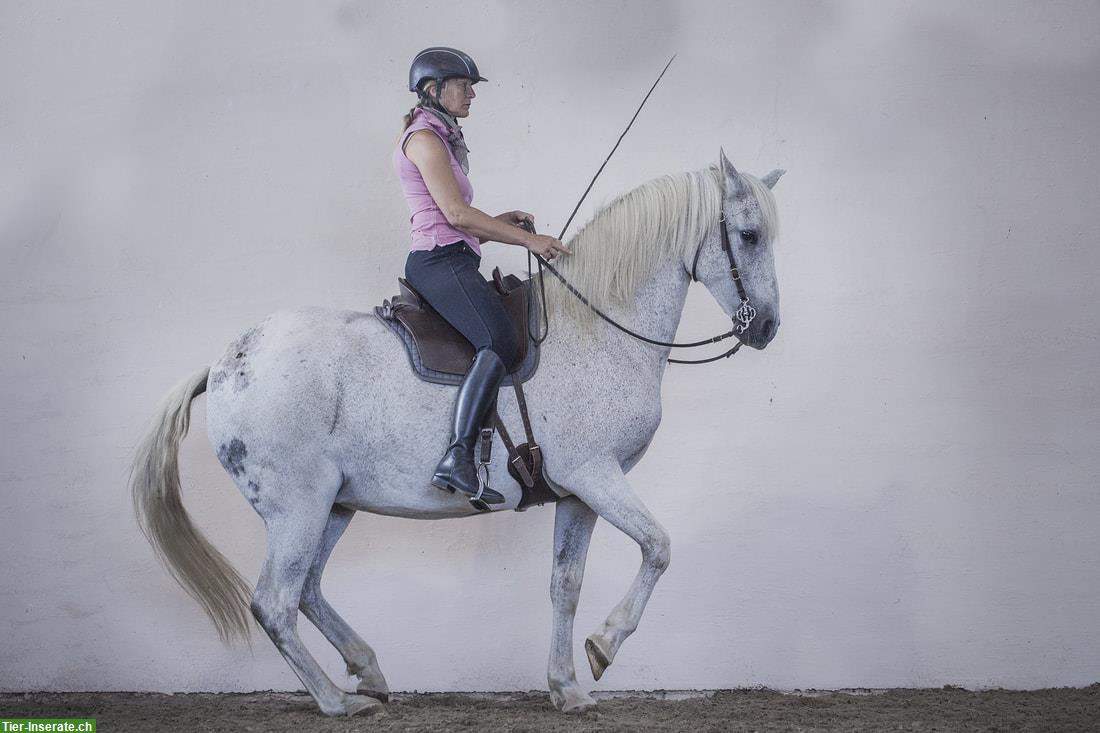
(618, 248)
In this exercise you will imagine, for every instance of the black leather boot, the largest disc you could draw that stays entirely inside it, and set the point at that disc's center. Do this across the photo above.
(475, 398)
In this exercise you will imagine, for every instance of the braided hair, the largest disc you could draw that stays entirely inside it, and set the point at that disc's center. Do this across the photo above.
(425, 98)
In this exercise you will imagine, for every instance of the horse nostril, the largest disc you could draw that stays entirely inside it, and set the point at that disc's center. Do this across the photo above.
(766, 331)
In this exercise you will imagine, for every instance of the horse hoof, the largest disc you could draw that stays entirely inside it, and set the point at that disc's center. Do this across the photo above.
(597, 657)
(579, 705)
(380, 695)
(354, 704)
(571, 699)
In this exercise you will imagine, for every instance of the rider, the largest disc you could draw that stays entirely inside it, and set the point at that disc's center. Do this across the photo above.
(447, 233)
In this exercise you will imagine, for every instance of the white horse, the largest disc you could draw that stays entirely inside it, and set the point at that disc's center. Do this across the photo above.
(316, 415)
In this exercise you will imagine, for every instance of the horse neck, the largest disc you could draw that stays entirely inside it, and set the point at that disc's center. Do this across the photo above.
(654, 311)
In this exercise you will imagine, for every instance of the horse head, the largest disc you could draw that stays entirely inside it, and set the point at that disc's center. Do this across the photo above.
(751, 223)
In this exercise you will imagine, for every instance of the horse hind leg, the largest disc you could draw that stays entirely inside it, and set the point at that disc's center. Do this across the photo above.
(357, 654)
(573, 523)
(296, 515)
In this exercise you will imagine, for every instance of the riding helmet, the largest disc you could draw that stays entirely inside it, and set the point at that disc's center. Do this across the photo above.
(440, 62)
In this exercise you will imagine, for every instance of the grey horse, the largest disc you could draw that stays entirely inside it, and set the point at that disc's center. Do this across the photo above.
(316, 415)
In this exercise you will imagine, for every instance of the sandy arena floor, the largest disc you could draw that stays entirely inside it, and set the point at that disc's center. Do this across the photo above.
(948, 709)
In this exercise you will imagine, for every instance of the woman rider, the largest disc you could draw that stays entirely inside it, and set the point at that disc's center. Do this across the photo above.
(447, 234)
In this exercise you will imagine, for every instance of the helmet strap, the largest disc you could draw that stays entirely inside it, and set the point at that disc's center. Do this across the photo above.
(455, 139)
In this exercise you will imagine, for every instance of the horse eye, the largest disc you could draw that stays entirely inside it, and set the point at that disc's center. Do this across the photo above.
(748, 236)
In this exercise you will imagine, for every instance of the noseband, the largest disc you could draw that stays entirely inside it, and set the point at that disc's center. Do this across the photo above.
(745, 312)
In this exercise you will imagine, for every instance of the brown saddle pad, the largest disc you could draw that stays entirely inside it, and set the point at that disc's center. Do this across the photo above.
(442, 349)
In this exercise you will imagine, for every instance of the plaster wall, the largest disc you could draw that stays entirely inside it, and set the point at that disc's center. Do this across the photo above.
(900, 491)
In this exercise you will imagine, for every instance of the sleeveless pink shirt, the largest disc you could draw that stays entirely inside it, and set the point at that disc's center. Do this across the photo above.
(430, 227)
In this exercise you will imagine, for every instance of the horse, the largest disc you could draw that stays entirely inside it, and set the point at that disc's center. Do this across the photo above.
(315, 415)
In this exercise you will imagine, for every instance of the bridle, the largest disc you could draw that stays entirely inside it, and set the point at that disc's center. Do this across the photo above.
(743, 317)
(745, 312)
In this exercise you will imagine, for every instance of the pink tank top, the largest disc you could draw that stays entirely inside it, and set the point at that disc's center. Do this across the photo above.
(430, 227)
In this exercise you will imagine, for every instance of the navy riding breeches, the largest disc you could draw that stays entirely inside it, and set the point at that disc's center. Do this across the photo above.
(449, 280)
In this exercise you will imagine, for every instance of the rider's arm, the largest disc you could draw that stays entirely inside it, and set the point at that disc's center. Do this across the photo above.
(428, 154)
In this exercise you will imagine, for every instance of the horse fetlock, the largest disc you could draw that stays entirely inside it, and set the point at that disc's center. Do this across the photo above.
(361, 662)
(619, 625)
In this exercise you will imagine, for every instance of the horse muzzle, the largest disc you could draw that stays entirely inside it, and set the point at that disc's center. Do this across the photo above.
(760, 331)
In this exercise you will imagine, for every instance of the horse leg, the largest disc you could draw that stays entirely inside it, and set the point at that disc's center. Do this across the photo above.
(573, 522)
(294, 530)
(606, 490)
(358, 655)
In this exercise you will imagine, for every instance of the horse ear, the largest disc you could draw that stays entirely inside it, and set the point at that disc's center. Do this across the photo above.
(734, 184)
(772, 178)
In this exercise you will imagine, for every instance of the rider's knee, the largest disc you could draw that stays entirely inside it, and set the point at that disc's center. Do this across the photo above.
(505, 346)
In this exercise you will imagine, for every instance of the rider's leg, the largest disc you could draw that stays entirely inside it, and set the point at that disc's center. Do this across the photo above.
(475, 398)
(449, 280)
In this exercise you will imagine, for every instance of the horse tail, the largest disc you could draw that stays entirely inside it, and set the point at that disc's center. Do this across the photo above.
(192, 561)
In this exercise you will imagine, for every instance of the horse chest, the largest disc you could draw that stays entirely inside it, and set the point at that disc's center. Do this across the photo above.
(598, 412)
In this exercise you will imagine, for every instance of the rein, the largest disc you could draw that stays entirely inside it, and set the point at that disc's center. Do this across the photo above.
(745, 312)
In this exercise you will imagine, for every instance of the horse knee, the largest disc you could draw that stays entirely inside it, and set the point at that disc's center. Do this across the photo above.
(565, 590)
(658, 552)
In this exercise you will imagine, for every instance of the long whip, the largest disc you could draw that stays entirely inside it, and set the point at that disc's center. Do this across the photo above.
(529, 227)
(543, 263)
(602, 165)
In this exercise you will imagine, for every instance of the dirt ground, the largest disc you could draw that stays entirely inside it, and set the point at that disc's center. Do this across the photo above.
(948, 709)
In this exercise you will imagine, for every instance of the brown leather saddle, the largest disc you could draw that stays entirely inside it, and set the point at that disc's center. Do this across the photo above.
(439, 353)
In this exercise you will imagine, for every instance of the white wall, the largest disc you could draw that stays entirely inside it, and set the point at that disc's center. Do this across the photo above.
(900, 491)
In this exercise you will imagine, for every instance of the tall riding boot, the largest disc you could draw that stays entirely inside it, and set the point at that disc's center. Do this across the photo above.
(475, 398)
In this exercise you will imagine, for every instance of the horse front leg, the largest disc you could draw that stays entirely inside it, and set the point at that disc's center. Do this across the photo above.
(604, 488)
(573, 522)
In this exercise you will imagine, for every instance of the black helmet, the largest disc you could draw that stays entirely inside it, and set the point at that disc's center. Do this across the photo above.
(440, 62)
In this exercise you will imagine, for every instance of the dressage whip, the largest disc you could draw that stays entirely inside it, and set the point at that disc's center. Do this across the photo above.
(602, 165)
(543, 263)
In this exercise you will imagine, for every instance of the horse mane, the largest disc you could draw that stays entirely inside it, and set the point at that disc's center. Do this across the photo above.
(615, 252)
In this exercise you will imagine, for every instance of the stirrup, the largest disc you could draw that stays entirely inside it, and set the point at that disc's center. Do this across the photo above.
(482, 483)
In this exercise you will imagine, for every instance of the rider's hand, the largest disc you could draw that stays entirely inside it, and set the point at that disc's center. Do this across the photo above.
(516, 218)
(546, 246)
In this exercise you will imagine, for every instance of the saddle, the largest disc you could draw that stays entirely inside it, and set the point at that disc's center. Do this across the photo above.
(437, 351)
(440, 354)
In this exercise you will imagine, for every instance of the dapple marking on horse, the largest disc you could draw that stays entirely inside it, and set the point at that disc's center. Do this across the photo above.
(315, 415)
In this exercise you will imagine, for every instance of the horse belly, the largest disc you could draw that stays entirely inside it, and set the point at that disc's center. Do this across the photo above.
(318, 385)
